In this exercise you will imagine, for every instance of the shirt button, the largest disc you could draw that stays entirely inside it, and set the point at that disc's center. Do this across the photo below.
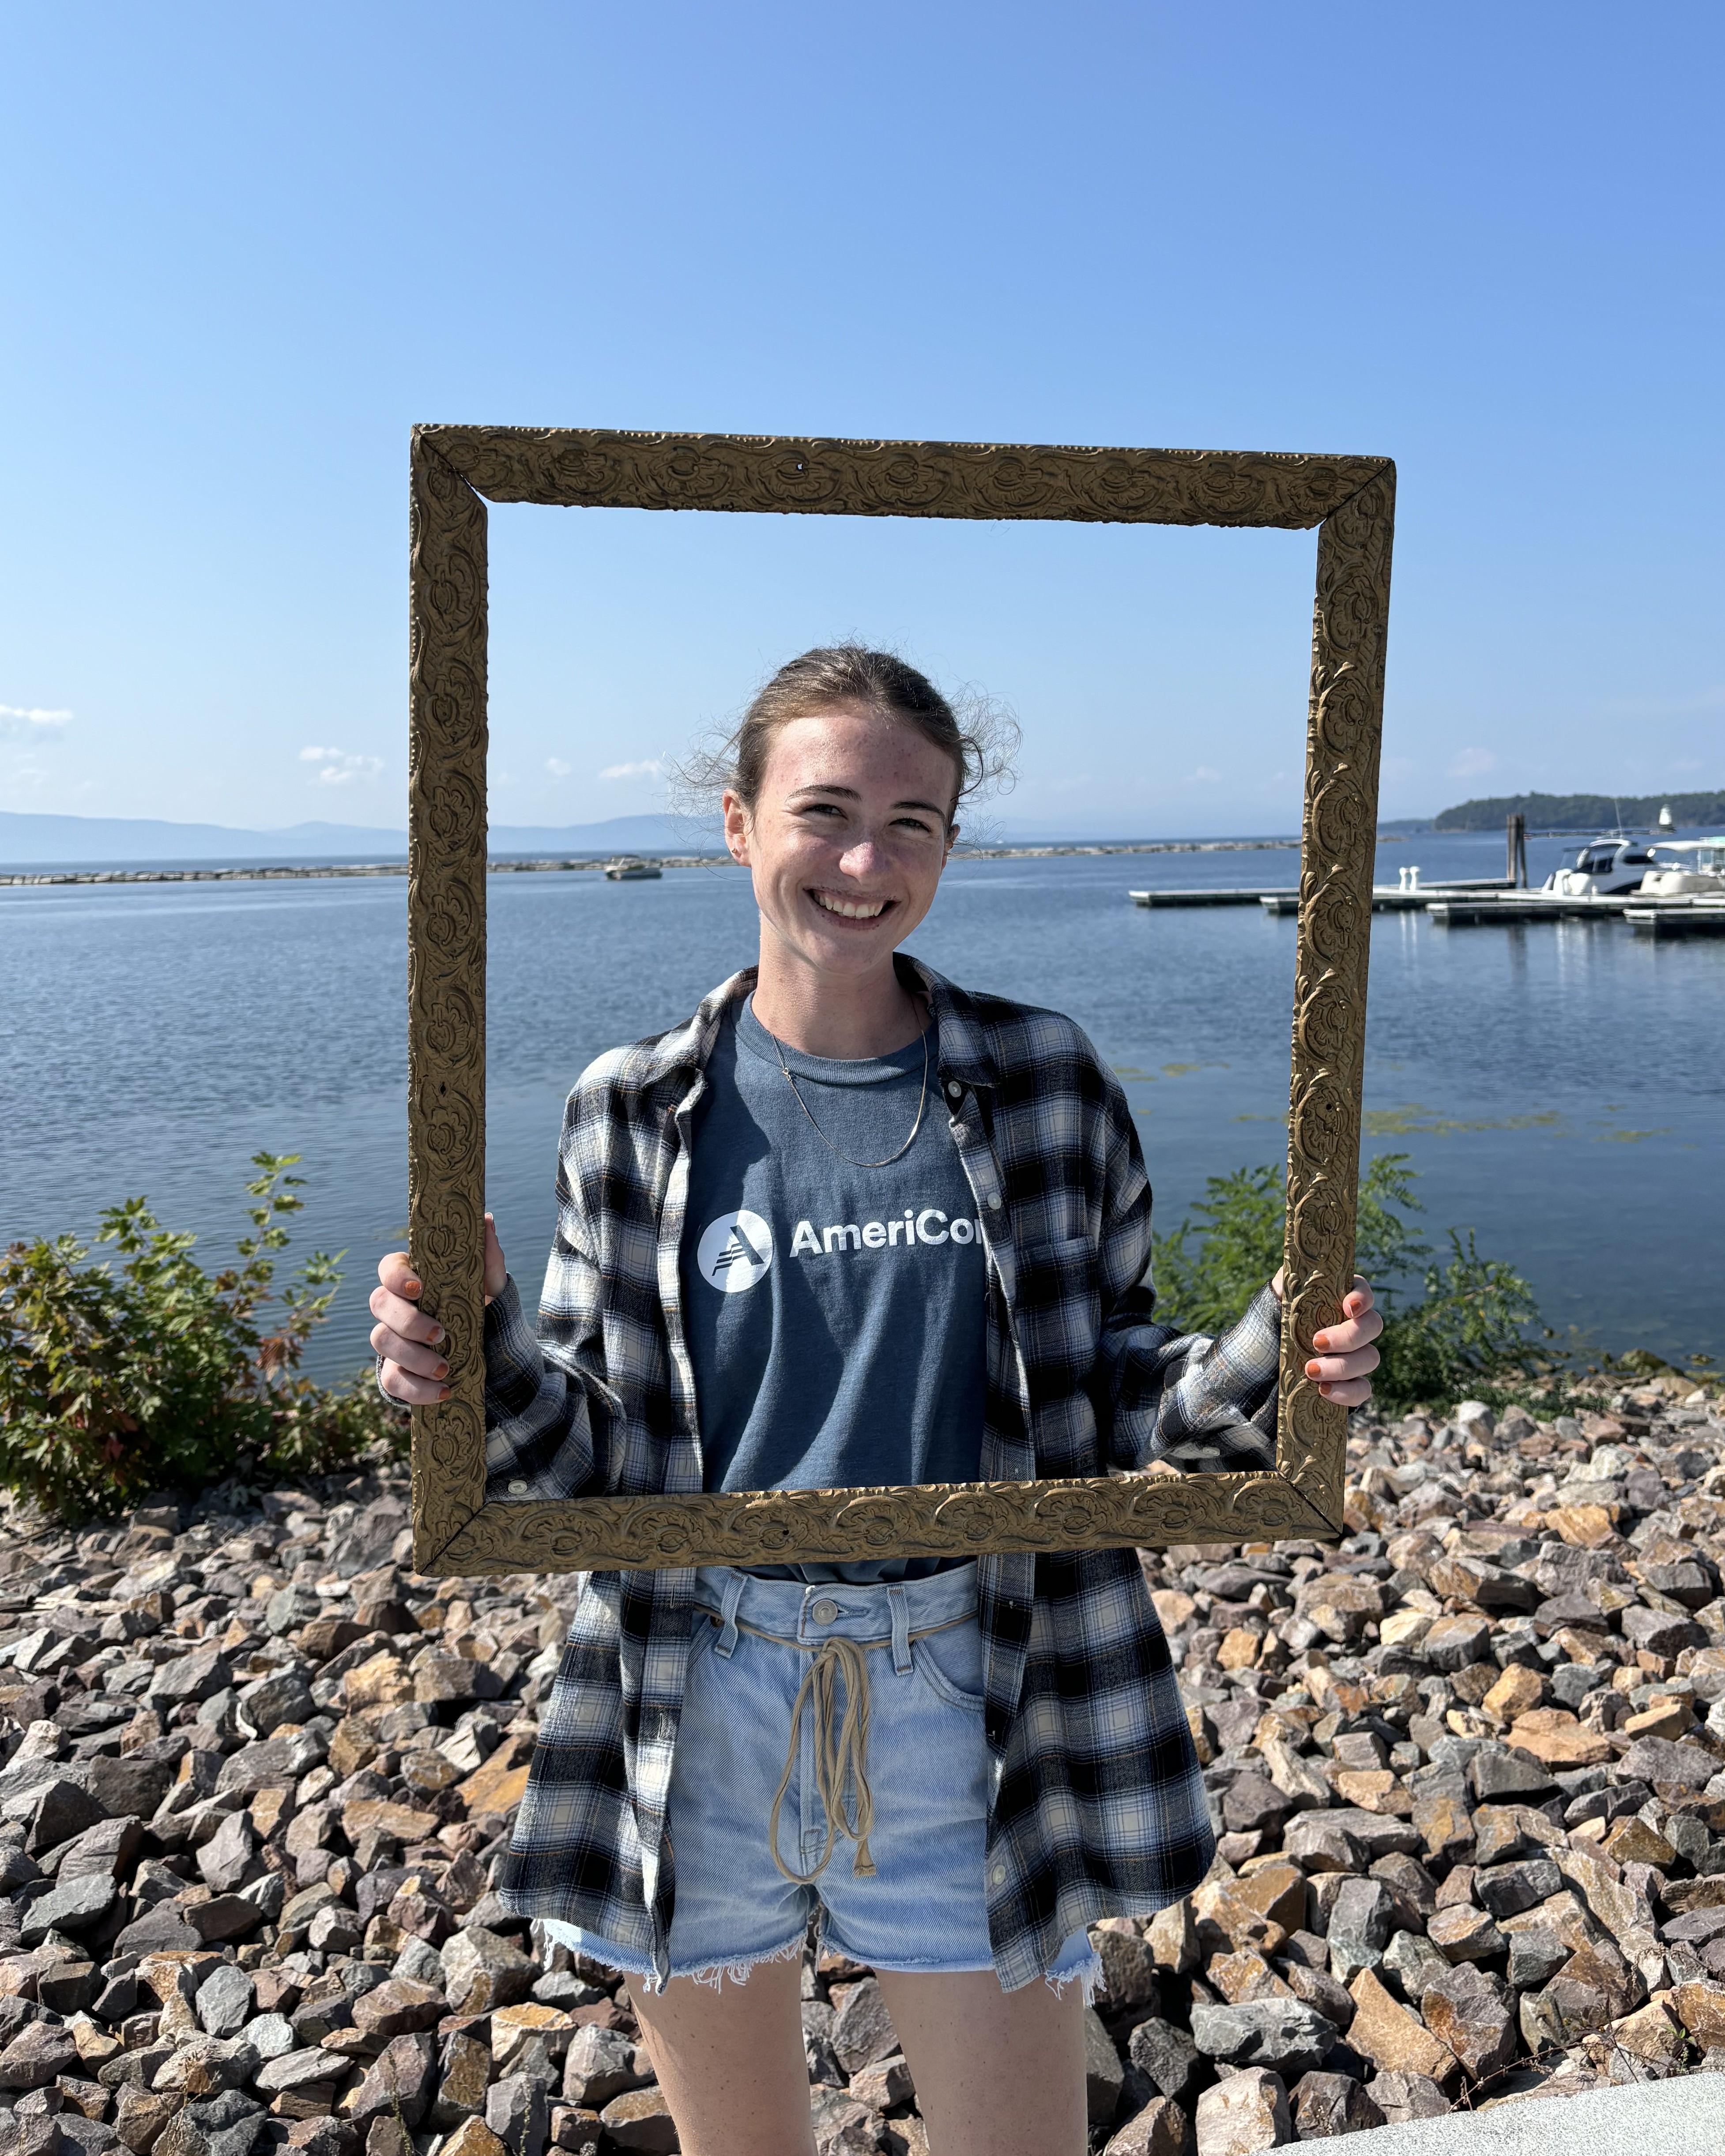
(955, 1091)
(995, 1201)
(823, 1612)
(517, 1489)
(996, 1875)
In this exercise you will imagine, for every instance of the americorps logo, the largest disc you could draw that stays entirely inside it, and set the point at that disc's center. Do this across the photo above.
(735, 1252)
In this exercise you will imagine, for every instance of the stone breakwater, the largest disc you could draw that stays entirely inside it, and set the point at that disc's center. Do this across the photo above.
(1468, 1772)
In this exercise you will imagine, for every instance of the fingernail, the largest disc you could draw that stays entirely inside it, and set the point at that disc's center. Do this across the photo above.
(441, 1370)
(411, 1287)
(444, 1393)
(1311, 1369)
(437, 1334)
(1320, 1339)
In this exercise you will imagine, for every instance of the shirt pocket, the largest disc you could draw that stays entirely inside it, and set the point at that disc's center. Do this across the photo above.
(1058, 1314)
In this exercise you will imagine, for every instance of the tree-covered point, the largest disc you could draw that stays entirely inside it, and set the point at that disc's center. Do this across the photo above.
(1583, 811)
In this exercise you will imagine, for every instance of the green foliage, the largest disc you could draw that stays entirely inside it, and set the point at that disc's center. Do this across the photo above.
(118, 1381)
(1464, 1329)
(1583, 811)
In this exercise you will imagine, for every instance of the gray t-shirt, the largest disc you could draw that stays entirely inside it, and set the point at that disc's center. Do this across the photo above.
(835, 1312)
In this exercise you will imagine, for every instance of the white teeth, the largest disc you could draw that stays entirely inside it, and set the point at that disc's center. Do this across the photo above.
(850, 908)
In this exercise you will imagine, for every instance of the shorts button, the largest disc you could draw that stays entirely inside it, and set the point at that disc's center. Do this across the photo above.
(823, 1612)
(996, 1875)
(517, 1489)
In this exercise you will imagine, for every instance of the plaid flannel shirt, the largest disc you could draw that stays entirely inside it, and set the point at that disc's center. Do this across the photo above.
(1098, 1807)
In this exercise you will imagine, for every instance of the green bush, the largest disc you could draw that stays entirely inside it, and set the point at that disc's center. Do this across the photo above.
(114, 1382)
(1464, 1329)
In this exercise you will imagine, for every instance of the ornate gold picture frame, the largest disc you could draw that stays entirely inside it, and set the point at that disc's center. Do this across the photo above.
(455, 471)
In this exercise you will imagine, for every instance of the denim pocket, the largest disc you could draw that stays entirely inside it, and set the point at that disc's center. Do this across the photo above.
(950, 1662)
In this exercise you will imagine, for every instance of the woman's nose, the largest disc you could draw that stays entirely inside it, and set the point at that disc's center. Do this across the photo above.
(862, 857)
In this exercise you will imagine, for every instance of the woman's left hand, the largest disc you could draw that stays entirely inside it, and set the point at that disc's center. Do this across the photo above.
(1345, 1357)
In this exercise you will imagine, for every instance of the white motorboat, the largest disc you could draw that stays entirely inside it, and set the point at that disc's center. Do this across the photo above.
(1696, 869)
(1605, 867)
(631, 868)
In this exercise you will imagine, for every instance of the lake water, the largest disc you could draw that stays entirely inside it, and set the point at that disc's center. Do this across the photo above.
(1558, 1085)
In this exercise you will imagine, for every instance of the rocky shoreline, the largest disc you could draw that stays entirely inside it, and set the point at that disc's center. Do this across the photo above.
(1468, 1771)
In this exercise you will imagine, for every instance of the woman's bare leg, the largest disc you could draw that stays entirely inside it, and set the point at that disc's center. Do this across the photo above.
(997, 2073)
(731, 2061)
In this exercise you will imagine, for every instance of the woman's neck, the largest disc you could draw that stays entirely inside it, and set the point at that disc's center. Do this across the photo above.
(844, 1020)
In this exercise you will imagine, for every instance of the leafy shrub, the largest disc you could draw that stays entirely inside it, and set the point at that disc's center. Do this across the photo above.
(116, 1382)
(1463, 1331)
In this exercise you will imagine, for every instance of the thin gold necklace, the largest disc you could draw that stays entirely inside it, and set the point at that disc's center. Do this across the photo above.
(921, 1103)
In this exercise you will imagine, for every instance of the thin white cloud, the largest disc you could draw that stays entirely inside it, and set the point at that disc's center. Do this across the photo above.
(1471, 762)
(1204, 776)
(652, 767)
(339, 769)
(557, 768)
(29, 721)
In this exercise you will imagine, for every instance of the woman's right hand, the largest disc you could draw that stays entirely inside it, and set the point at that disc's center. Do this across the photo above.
(410, 1342)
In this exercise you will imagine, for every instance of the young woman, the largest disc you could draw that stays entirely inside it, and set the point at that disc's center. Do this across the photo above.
(847, 1225)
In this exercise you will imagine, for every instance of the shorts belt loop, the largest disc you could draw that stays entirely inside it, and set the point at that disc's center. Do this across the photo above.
(898, 1603)
(734, 1585)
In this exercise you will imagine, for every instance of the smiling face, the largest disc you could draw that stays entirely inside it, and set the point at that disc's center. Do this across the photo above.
(846, 840)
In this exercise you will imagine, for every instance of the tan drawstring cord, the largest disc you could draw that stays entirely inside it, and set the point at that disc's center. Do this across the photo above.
(837, 1756)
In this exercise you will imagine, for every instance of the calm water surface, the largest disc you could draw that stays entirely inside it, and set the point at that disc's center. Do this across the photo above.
(1558, 1086)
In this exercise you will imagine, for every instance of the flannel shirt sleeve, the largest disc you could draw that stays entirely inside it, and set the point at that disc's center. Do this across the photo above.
(548, 1405)
(1206, 1404)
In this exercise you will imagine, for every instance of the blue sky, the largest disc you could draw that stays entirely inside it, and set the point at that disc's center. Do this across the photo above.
(244, 250)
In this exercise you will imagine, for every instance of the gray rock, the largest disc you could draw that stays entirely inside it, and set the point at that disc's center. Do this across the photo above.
(190, 1677)
(863, 2030)
(1284, 2034)
(1169, 2057)
(223, 2004)
(293, 2070)
(277, 1759)
(270, 2035)
(1506, 1890)
(1323, 2105)
(1502, 1777)
(1103, 2071)
(601, 2063)
(1415, 1963)
(38, 2054)
(282, 1696)
(400, 2080)
(74, 1905)
(1360, 1918)
(109, 1849)
(225, 1859)
(516, 2113)
(51, 1809)
(1655, 1759)
(482, 1970)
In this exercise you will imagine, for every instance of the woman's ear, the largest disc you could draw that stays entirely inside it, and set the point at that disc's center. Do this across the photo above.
(736, 827)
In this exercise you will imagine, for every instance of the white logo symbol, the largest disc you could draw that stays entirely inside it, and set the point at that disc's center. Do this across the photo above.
(735, 1252)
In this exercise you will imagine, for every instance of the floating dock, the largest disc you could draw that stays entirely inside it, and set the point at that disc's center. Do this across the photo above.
(1216, 897)
(1495, 902)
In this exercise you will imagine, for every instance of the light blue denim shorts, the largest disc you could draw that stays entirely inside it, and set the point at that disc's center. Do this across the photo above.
(831, 1764)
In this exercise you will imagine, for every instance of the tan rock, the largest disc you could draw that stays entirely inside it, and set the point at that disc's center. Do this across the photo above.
(494, 1788)
(1161, 2128)
(1444, 1822)
(1242, 1976)
(1583, 1527)
(1239, 1649)
(1389, 2036)
(1375, 1789)
(1516, 1692)
(1278, 1888)
(1653, 2032)
(1701, 2009)
(351, 1744)
(382, 1815)
(1244, 2112)
(1599, 1883)
(1556, 1739)
(642, 2119)
(1664, 1718)
(1294, 1776)
(1173, 1608)
(1238, 1918)
(381, 1682)
(473, 2137)
(1463, 1932)
(1172, 1938)
(1631, 1841)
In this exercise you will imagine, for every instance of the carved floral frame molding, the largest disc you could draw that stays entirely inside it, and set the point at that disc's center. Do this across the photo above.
(456, 471)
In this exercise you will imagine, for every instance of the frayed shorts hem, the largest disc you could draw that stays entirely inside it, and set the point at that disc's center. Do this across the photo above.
(1077, 1963)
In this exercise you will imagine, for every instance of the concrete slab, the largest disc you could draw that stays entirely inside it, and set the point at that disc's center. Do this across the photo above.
(1681, 2118)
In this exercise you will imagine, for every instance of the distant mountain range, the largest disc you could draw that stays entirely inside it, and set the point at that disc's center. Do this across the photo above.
(1585, 812)
(27, 840)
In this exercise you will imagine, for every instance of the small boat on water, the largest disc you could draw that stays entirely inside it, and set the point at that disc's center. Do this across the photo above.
(1697, 870)
(1603, 868)
(631, 868)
